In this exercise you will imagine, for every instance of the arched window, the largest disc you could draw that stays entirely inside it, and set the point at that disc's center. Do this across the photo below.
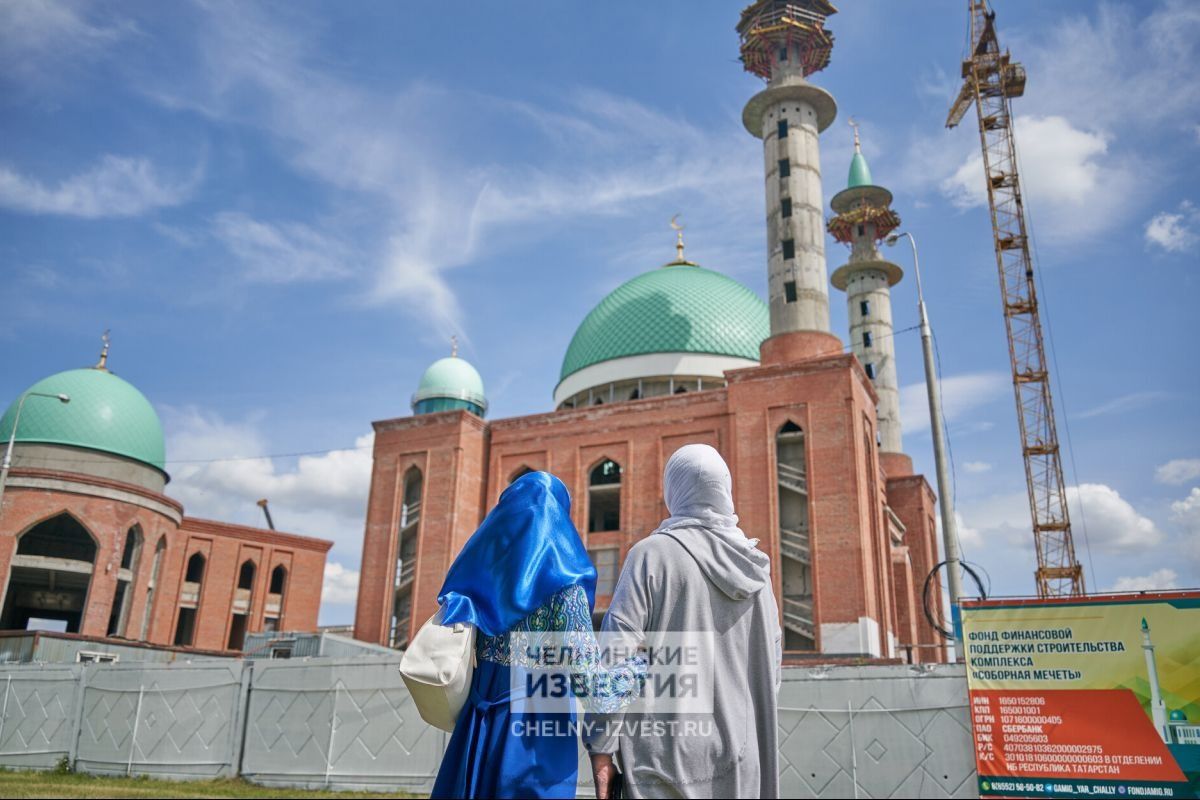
(195, 568)
(275, 589)
(794, 543)
(242, 600)
(189, 600)
(118, 618)
(50, 576)
(133, 546)
(246, 575)
(278, 579)
(604, 497)
(160, 551)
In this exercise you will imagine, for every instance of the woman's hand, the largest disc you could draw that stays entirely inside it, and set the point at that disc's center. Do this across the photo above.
(603, 771)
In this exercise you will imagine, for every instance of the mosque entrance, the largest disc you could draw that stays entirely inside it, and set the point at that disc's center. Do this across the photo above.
(50, 575)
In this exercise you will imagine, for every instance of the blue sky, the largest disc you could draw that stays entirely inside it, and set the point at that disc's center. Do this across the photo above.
(283, 211)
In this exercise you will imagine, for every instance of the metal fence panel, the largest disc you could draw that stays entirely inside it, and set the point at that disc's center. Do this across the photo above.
(878, 731)
(175, 720)
(37, 715)
(340, 723)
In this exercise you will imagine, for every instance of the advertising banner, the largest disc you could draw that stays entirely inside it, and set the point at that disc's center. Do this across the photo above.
(1086, 697)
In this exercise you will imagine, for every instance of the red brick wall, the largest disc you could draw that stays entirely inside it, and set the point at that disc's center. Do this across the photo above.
(108, 520)
(466, 463)
(913, 501)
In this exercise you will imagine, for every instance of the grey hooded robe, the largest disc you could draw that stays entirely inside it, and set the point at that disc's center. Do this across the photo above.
(688, 579)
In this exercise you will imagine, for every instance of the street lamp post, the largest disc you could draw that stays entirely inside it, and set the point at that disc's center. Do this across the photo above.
(12, 437)
(941, 462)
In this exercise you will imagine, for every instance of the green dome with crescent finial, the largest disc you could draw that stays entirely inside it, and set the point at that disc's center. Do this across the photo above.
(448, 384)
(105, 413)
(678, 308)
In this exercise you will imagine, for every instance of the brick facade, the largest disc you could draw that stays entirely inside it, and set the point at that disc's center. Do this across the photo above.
(108, 510)
(869, 554)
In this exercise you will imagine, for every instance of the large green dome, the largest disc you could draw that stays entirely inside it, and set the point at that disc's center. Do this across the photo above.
(450, 383)
(679, 308)
(105, 413)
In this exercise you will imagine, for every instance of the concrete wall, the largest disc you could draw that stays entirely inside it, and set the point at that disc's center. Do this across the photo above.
(878, 731)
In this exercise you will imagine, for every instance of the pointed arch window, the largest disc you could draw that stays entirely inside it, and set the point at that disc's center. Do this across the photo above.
(189, 600)
(160, 550)
(604, 497)
(50, 575)
(118, 619)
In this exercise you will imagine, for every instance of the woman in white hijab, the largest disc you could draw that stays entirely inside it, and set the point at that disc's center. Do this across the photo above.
(698, 573)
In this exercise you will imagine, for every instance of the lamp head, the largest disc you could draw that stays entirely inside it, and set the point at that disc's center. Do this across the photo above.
(892, 239)
(64, 398)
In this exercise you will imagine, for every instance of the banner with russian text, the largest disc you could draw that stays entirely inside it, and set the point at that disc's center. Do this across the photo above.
(1086, 697)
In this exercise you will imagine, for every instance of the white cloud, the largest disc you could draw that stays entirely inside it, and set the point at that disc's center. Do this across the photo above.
(1069, 183)
(340, 586)
(433, 201)
(1122, 404)
(281, 253)
(40, 37)
(961, 395)
(977, 467)
(1186, 512)
(1112, 524)
(1159, 579)
(116, 187)
(1178, 471)
(323, 495)
(1176, 232)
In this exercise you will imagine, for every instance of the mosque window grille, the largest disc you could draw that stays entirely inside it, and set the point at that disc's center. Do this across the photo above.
(867, 339)
(870, 368)
(789, 291)
(785, 207)
(783, 128)
(785, 167)
(864, 307)
(789, 249)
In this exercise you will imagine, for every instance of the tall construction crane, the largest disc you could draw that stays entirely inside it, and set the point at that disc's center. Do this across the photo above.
(990, 80)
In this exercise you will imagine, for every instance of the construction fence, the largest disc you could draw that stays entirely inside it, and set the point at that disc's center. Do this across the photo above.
(349, 723)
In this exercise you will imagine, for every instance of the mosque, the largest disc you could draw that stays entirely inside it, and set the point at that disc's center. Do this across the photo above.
(91, 545)
(684, 354)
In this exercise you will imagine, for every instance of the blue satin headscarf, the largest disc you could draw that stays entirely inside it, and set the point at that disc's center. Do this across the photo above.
(526, 550)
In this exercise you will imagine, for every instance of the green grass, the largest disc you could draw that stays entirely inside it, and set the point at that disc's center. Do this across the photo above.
(57, 784)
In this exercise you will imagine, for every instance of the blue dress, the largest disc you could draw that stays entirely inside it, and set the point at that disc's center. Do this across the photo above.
(498, 751)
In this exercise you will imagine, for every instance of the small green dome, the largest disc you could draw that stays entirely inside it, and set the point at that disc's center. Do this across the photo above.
(860, 173)
(679, 308)
(106, 413)
(1178, 716)
(450, 383)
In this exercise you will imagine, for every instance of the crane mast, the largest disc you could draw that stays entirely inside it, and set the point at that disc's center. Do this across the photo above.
(990, 80)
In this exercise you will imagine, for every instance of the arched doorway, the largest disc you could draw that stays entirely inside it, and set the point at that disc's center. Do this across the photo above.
(50, 576)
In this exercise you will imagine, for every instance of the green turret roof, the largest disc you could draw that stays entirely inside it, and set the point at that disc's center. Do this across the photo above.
(860, 173)
(106, 413)
(451, 378)
(679, 308)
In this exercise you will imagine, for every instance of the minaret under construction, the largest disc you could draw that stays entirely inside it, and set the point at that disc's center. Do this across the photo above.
(864, 217)
(783, 43)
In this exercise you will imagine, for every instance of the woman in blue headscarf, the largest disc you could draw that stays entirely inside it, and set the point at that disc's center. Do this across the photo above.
(524, 579)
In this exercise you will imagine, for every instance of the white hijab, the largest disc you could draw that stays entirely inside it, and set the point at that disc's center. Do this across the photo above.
(698, 490)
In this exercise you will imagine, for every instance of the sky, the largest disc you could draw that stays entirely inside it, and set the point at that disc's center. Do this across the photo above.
(284, 211)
